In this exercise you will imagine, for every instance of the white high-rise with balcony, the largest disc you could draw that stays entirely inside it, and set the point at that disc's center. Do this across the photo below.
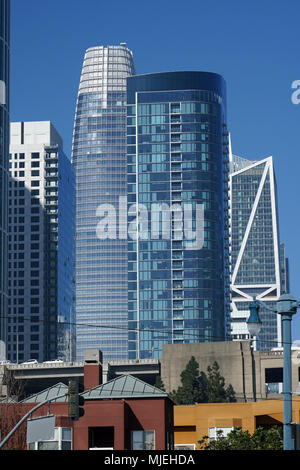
(41, 245)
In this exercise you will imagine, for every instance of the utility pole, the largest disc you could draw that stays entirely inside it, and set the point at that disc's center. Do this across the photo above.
(287, 307)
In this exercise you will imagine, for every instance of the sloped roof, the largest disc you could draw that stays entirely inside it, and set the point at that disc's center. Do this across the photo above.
(8, 400)
(125, 386)
(50, 393)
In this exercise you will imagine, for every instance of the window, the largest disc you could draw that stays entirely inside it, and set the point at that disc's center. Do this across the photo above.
(185, 447)
(35, 156)
(214, 432)
(101, 438)
(62, 441)
(143, 440)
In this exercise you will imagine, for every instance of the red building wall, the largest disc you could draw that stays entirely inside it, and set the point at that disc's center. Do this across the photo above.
(124, 415)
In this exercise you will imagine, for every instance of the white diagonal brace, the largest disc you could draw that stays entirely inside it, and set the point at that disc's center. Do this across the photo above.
(250, 222)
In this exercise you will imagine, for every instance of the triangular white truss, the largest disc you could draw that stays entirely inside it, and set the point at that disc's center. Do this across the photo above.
(267, 292)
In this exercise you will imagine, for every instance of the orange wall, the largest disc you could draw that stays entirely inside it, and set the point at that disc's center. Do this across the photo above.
(193, 421)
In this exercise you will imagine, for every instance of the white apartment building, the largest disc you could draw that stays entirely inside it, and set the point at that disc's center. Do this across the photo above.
(41, 244)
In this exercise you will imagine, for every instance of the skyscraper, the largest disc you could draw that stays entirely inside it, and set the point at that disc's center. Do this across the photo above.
(177, 165)
(258, 267)
(4, 152)
(99, 158)
(41, 245)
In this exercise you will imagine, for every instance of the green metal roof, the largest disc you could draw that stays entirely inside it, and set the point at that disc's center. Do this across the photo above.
(8, 400)
(50, 393)
(125, 386)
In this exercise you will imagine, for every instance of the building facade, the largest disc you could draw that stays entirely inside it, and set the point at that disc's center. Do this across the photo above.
(178, 250)
(41, 245)
(259, 265)
(4, 152)
(192, 423)
(99, 158)
(124, 414)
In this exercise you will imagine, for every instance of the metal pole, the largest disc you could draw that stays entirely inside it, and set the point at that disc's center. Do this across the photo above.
(287, 382)
(287, 307)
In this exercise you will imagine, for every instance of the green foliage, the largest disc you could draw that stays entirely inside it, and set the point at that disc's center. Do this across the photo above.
(216, 391)
(202, 388)
(237, 439)
(159, 383)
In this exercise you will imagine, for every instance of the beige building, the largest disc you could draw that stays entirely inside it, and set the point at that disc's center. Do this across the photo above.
(254, 375)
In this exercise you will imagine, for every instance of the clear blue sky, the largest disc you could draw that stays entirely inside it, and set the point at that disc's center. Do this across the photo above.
(253, 44)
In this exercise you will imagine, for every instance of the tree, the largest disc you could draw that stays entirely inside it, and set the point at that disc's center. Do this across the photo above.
(202, 388)
(216, 391)
(159, 383)
(189, 391)
(237, 439)
(11, 413)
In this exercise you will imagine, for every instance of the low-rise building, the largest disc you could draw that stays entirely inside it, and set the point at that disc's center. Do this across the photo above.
(193, 422)
(122, 414)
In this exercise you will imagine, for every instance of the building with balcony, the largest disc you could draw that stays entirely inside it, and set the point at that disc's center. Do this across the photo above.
(178, 247)
(41, 245)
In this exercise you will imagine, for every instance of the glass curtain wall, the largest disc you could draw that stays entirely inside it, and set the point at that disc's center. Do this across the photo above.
(255, 249)
(99, 158)
(177, 160)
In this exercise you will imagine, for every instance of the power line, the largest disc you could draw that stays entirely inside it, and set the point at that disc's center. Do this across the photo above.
(144, 330)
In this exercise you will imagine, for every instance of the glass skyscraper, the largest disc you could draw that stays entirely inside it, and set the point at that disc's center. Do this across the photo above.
(259, 265)
(177, 164)
(99, 158)
(4, 152)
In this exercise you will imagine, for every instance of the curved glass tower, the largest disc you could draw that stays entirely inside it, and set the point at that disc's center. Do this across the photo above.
(178, 279)
(4, 154)
(99, 158)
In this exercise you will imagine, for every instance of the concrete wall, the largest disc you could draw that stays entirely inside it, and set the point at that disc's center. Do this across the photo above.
(241, 367)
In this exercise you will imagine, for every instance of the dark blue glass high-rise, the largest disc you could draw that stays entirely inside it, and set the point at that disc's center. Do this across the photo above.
(177, 159)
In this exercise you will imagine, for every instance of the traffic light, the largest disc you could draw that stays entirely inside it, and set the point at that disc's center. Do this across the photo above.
(75, 400)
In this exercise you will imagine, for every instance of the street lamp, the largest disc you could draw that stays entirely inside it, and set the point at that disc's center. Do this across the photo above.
(287, 307)
(254, 327)
(254, 322)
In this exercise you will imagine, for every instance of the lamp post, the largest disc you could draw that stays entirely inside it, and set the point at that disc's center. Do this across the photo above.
(254, 327)
(287, 307)
(254, 322)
